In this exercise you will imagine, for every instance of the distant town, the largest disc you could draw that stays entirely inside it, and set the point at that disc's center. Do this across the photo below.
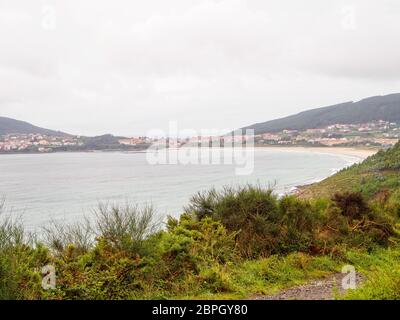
(372, 134)
(39, 143)
(36, 142)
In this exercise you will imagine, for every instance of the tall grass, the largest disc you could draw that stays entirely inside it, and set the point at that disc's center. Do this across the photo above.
(11, 230)
(122, 226)
(382, 272)
(13, 240)
(58, 236)
(125, 225)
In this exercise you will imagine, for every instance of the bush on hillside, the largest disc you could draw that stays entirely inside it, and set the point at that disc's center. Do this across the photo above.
(351, 204)
(123, 254)
(352, 222)
(265, 224)
(20, 261)
(269, 225)
(188, 253)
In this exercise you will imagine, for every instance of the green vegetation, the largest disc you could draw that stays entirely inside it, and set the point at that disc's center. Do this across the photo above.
(105, 142)
(382, 270)
(377, 177)
(233, 243)
(266, 224)
(213, 251)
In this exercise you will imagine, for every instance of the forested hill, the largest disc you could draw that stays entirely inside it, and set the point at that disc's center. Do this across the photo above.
(10, 126)
(374, 108)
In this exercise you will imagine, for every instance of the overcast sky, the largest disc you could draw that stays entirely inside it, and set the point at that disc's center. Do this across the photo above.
(124, 67)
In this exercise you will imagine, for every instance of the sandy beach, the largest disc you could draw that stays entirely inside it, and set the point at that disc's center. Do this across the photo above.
(354, 152)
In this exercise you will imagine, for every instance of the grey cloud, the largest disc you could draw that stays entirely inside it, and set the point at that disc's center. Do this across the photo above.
(126, 66)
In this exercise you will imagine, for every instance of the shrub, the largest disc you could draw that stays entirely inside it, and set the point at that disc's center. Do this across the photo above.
(392, 205)
(265, 224)
(351, 204)
(125, 227)
(123, 265)
(105, 272)
(20, 261)
(123, 254)
(59, 237)
(11, 231)
(351, 222)
(298, 223)
(189, 245)
(215, 279)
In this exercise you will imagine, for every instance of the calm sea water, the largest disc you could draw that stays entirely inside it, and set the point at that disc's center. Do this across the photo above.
(67, 186)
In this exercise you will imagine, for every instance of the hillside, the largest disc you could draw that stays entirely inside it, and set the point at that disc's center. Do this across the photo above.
(374, 108)
(10, 126)
(378, 175)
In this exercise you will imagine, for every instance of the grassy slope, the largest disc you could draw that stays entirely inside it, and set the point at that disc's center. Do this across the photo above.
(382, 270)
(269, 276)
(380, 267)
(377, 173)
(377, 177)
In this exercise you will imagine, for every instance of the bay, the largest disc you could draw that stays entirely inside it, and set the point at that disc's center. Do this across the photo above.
(67, 186)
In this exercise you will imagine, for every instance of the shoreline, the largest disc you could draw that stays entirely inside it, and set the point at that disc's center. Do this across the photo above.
(293, 186)
(361, 153)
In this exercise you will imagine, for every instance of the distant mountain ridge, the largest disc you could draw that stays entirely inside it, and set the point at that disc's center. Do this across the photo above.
(12, 126)
(374, 108)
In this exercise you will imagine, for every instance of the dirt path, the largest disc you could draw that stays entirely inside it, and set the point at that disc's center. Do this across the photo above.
(317, 290)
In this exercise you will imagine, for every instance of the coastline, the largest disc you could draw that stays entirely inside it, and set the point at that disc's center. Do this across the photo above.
(160, 199)
(361, 153)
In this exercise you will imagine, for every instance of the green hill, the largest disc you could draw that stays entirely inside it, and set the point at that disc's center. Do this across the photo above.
(376, 176)
(374, 108)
